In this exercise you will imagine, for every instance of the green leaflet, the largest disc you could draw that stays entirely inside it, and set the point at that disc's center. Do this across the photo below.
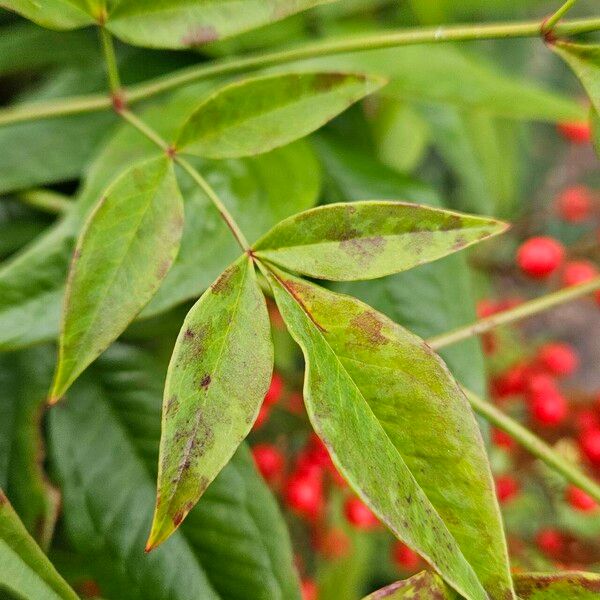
(24, 381)
(258, 114)
(103, 446)
(355, 437)
(24, 569)
(584, 59)
(365, 240)
(124, 252)
(422, 586)
(183, 24)
(54, 14)
(415, 405)
(558, 586)
(595, 119)
(218, 376)
(449, 75)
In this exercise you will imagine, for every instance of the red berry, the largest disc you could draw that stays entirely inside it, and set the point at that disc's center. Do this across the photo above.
(550, 541)
(578, 271)
(589, 442)
(574, 204)
(262, 418)
(501, 439)
(558, 359)
(541, 384)
(275, 390)
(304, 495)
(487, 308)
(335, 543)
(587, 419)
(538, 257)
(549, 409)
(404, 557)
(578, 132)
(269, 461)
(309, 590)
(512, 381)
(579, 500)
(506, 488)
(359, 514)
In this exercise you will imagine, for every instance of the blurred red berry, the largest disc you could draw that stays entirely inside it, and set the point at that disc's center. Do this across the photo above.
(578, 132)
(304, 495)
(579, 500)
(589, 442)
(269, 461)
(578, 271)
(550, 541)
(487, 308)
(309, 590)
(574, 204)
(296, 403)
(262, 418)
(275, 390)
(558, 359)
(501, 439)
(404, 557)
(549, 408)
(334, 543)
(513, 381)
(538, 257)
(359, 514)
(541, 384)
(506, 488)
(587, 419)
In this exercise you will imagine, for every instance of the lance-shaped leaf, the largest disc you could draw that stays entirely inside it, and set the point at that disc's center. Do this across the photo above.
(558, 586)
(184, 24)
(218, 376)
(402, 432)
(584, 59)
(357, 441)
(256, 115)
(25, 572)
(365, 240)
(125, 250)
(422, 586)
(54, 14)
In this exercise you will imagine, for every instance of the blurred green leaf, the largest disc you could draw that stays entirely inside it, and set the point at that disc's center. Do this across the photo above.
(54, 14)
(255, 115)
(423, 586)
(417, 479)
(24, 569)
(178, 24)
(219, 374)
(370, 239)
(124, 252)
(103, 450)
(558, 586)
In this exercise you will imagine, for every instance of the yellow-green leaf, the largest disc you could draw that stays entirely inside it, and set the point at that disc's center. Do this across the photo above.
(558, 586)
(422, 586)
(54, 14)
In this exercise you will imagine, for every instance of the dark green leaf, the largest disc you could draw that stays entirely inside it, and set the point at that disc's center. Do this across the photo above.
(423, 586)
(103, 448)
(365, 240)
(219, 374)
(558, 586)
(54, 14)
(181, 24)
(416, 406)
(256, 115)
(346, 347)
(24, 569)
(124, 252)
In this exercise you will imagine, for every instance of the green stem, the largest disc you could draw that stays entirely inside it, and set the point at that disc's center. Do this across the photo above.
(208, 190)
(46, 201)
(522, 311)
(110, 60)
(551, 21)
(328, 47)
(145, 130)
(535, 445)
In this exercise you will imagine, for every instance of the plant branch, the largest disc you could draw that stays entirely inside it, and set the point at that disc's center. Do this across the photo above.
(535, 445)
(145, 130)
(110, 60)
(327, 47)
(549, 24)
(527, 309)
(46, 201)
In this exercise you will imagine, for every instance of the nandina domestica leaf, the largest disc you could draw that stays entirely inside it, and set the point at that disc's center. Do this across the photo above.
(558, 586)
(124, 252)
(218, 376)
(389, 411)
(258, 114)
(422, 586)
(54, 14)
(365, 240)
(356, 438)
(184, 24)
(25, 572)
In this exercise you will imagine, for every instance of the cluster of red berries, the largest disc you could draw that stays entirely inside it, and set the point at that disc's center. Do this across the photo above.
(577, 132)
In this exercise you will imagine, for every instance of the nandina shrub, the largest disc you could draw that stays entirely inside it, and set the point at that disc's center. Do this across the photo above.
(257, 339)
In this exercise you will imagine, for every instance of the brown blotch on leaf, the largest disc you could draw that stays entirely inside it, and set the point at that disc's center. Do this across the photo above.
(363, 249)
(223, 284)
(325, 81)
(200, 35)
(3, 498)
(205, 381)
(370, 326)
(452, 222)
